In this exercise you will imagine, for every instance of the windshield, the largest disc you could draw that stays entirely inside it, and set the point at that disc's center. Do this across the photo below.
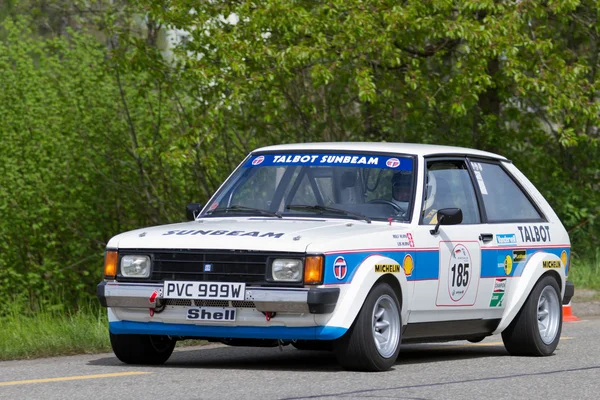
(340, 185)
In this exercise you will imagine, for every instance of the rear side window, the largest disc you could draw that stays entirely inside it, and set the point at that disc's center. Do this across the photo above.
(504, 200)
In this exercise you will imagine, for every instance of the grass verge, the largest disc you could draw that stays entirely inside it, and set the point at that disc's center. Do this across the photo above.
(48, 332)
(51, 333)
(585, 274)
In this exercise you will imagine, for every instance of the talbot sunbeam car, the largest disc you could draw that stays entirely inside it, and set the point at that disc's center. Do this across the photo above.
(353, 248)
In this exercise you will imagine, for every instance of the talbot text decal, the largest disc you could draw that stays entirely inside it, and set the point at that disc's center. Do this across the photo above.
(210, 232)
(359, 160)
(535, 233)
(312, 159)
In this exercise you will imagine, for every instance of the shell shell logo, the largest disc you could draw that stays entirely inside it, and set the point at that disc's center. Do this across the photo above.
(408, 265)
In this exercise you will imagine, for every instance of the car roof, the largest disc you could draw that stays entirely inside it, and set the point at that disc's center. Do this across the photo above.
(383, 147)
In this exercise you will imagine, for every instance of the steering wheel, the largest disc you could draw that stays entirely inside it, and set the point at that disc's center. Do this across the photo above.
(399, 210)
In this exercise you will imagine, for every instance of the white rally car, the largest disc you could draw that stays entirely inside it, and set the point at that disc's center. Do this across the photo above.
(352, 247)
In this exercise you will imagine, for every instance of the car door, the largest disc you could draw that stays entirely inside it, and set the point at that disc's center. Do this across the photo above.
(451, 262)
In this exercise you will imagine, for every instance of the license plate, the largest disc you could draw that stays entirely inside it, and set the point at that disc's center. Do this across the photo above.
(204, 290)
(211, 314)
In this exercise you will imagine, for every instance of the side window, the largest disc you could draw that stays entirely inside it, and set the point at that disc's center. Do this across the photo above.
(449, 185)
(503, 198)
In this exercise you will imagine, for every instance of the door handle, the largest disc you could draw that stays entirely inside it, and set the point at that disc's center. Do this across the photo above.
(486, 237)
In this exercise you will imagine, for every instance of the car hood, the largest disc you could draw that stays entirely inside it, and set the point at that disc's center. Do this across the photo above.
(286, 234)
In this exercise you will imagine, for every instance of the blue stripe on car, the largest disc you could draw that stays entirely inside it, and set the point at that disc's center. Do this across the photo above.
(238, 332)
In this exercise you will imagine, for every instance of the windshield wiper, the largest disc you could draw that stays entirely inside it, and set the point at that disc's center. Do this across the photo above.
(321, 209)
(244, 209)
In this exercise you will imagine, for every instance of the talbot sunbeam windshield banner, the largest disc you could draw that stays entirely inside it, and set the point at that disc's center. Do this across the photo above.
(332, 160)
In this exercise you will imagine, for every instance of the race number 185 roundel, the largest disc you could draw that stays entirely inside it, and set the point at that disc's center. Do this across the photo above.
(340, 268)
(460, 272)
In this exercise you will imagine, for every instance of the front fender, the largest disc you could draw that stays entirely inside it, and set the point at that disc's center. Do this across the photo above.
(523, 285)
(354, 293)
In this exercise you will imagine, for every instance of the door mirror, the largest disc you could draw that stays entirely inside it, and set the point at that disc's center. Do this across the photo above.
(192, 210)
(447, 216)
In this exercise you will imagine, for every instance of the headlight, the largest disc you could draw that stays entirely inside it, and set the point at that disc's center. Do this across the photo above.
(286, 270)
(135, 266)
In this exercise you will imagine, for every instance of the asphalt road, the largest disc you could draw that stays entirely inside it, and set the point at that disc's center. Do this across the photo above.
(457, 370)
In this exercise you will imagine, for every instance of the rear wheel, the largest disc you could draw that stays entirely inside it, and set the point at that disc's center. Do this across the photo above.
(142, 349)
(373, 342)
(535, 331)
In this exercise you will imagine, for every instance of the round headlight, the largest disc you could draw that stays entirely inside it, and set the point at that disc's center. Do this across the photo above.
(135, 266)
(286, 270)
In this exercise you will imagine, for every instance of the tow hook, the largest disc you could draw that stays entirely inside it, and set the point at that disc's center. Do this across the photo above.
(269, 315)
(155, 298)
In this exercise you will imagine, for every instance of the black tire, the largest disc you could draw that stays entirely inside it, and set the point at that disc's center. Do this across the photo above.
(142, 349)
(476, 339)
(316, 345)
(356, 350)
(523, 336)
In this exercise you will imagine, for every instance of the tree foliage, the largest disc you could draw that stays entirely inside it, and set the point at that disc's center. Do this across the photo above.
(103, 130)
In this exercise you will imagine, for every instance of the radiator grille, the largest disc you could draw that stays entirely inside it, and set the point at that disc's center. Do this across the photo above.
(209, 265)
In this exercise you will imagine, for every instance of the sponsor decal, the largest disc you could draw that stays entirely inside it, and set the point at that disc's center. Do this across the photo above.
(535, 233)
(404, 239)
(207, 267)
(551, 264)
(507, 260)
(506, 238)
(392, 163)
(508, 265)
(408, 265)
(210, 314)
(459, 272)
(498, 293)
(209, 232)
(214, 205)
(340, 268)
(385, 268)
(519, 255)
(563, 257)
(480, 182)
(325, 159)
(361, 160)
(500, 285)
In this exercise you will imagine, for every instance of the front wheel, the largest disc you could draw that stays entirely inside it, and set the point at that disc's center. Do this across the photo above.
(373, 341)
(535, 331)
(142, 349)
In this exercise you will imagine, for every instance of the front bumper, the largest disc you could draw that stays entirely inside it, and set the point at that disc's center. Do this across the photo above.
(265, 299)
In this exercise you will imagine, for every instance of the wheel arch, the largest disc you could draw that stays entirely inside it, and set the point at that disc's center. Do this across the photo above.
(522, 285)
(354, 293)
(391, 280)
